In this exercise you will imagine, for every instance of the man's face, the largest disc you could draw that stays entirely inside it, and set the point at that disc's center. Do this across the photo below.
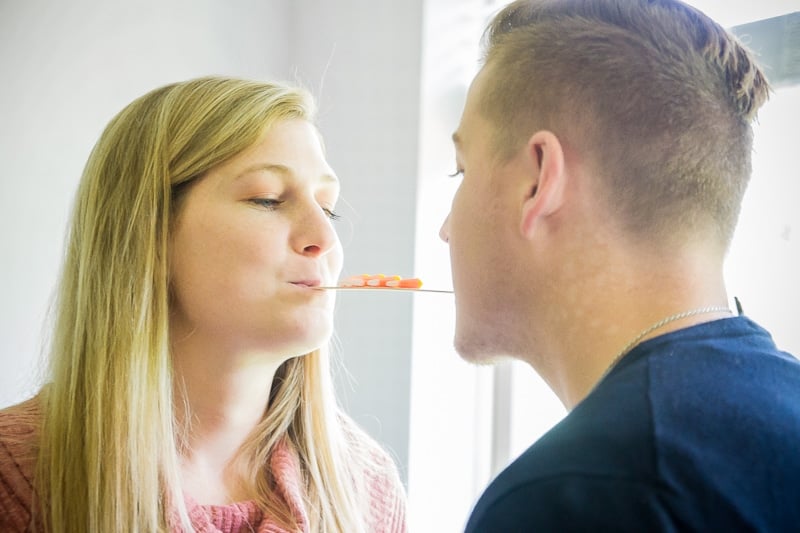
(482, 232)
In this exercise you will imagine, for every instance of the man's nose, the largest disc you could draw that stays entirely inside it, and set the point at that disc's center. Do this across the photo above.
(444, 231)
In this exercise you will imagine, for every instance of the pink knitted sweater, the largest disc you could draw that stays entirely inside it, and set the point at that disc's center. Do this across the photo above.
(18, 441)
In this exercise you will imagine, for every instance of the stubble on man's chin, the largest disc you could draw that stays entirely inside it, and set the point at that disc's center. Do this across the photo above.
(480, 351)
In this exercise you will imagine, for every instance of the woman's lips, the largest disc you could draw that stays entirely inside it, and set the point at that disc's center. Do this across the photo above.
(309, 283)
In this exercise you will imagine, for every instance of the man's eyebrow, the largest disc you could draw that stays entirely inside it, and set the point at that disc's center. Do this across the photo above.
(284, 171)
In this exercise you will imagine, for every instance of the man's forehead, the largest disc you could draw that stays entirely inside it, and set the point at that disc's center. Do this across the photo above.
(478, 86)
(470, 116)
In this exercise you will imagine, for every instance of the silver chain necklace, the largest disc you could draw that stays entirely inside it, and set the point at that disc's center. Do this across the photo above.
(660, 323)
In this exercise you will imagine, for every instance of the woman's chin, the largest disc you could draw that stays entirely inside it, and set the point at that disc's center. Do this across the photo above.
(308, 337)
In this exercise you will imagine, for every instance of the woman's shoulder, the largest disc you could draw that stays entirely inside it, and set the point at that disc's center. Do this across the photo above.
(19, 427)
(387, 495)
(30, 407)
(372, 455)
(19, 436)
(21, 421)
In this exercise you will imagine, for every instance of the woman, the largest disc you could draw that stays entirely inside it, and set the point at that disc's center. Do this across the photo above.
(189, 386)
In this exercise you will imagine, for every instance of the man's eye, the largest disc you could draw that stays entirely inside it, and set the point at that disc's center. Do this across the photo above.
(457, 173)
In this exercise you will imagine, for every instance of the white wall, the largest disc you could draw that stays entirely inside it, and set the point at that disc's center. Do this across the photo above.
(362, 57)
(68, 67)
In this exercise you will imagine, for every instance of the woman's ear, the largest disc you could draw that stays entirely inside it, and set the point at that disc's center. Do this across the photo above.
(546, 160)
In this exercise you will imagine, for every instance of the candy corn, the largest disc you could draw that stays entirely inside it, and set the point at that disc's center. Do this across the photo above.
(412, 283)
(380, 280)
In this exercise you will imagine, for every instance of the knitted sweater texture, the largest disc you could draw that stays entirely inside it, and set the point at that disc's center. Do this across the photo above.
(19, 435)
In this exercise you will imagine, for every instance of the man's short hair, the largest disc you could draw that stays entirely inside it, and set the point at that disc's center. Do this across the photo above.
(657, 95)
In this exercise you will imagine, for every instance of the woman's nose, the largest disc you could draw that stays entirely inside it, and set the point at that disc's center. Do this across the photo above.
(314, 235)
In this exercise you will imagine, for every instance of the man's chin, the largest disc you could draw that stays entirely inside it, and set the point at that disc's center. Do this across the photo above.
(477, 351)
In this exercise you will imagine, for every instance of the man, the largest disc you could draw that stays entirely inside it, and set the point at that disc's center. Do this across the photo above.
(605, 148)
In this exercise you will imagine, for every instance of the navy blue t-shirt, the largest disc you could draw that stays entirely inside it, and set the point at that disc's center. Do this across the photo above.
(695, 430)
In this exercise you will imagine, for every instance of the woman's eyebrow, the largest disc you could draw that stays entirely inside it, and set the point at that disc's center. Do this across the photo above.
(283, 170)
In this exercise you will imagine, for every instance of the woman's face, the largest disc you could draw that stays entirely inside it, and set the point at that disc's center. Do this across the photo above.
(251, 239)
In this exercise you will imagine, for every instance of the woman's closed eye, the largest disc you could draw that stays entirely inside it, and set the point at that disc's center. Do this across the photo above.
(269, 203)
(274, 203)
(330, 213)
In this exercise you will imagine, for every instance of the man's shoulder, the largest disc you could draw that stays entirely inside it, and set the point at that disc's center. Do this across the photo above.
(661, 444)
(568, 472)
(570, 497)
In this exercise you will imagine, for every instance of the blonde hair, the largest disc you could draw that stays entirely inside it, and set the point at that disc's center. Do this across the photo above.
(108, 458)
(656, 93)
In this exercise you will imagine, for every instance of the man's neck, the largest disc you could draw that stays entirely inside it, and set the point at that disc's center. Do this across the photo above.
(619, 305)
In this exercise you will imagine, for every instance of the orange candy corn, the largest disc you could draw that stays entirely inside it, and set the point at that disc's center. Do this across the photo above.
(359, 281)
(380, 280)
(411, 283)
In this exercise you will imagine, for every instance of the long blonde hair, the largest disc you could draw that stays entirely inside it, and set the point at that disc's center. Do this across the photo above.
(108, 458)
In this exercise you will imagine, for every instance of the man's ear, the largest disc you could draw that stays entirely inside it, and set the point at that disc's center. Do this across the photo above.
(546, 160)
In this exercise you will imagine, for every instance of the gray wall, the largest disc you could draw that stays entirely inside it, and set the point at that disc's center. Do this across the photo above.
(67, 68)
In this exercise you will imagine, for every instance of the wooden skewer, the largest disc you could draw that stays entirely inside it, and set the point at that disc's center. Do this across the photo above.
(380, 289)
